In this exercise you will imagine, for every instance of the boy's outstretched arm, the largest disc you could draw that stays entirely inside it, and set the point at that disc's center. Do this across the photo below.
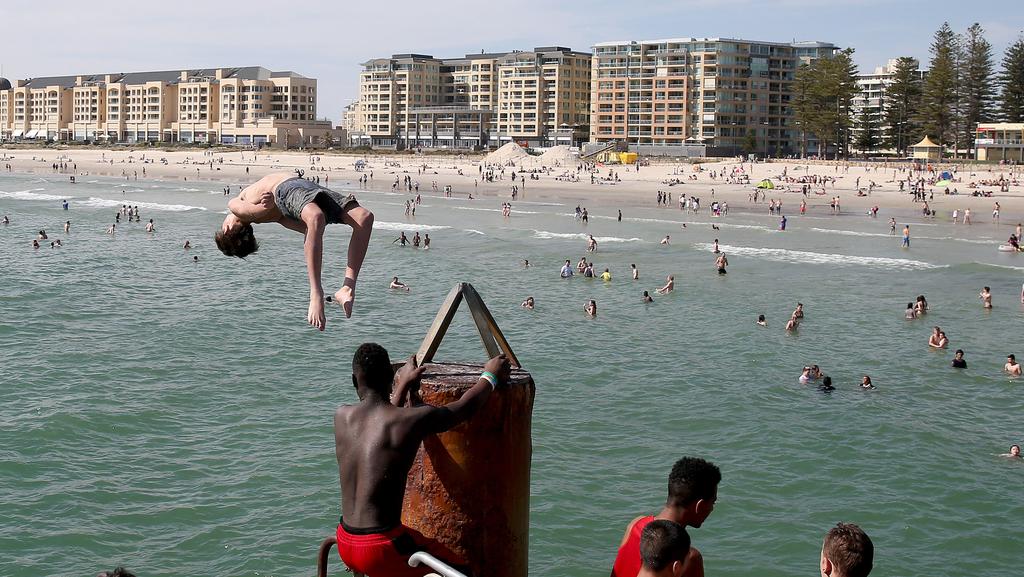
(315, 222)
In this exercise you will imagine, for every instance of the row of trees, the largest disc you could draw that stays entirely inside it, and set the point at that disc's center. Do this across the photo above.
(960, 90)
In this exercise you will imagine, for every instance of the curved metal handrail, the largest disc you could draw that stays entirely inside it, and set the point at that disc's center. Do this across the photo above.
(443, 569)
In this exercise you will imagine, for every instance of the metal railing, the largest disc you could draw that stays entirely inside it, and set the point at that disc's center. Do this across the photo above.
(442, 568)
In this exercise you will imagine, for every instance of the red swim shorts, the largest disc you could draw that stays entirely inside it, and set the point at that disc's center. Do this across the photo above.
(386, 554)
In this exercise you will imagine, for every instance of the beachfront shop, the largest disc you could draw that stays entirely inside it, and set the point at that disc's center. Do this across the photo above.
(999, 142)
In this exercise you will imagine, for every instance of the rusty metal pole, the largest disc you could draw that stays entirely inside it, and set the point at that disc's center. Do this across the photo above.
(469, 488)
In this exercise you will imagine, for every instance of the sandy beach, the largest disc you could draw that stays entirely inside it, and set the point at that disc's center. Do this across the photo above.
(633, 187)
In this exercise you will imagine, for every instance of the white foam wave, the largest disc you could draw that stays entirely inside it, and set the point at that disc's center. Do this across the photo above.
(514, 210)
(30, 195)
(107, 203)
(806, 257)
(1006, 266)
(546, 235)
(472, 231)
(850, 232)
(405, 226)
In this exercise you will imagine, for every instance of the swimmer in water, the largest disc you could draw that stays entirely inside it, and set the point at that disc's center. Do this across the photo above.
(721, 262)
(865, 382)
(526, 263)
(636, 273)
(811, 373)
(591, 244)
(35, 243)
(793, 324)
(195, 259)
(910, 313)
(1014, 452)
(606, 276)
(67, 226)
(761, 321)
(397, 284)
(187, 245)
(921, 306)
(149, 226)
(590, 308)
(566, 271)
(6, 220)
(670, 285)
(714, 248)
(404, 240)
(647, 297)
(426, 241)
(958, 360)
(826, 384)
(1012, 366)
(665, 240)
(528, 303)
(938, 339)
(986, 297)
(798, 313)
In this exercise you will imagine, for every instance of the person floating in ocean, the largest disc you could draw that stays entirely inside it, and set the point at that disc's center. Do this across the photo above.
(1012, 366)
(986, 297)
(670, 285)
(647, 298)
(398, 285)
(636, 272)
(938, 339)
(811, 373)
(865, 382)
(149, 226)
(921, 306)
(798, 312)
(721, 262)
(307, 208)
(376, 441)
(566, 271)
(187, 245)
(67, 226)
(714, 247)
(1014, 452)
(958, 360)
(692, 493)
(826, 384)
(590, 308)
(910, 313)
(528, 303)
(666, 240)
(761, 321)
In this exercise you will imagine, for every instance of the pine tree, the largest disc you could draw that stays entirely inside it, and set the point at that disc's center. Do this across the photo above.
(979, 93)
(1011, 79)
(938, 113)
(902, 105)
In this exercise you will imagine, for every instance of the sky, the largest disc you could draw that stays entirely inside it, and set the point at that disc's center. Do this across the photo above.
(328, 40)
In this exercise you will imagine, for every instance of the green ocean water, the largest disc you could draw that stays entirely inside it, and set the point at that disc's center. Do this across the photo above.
(175, 417)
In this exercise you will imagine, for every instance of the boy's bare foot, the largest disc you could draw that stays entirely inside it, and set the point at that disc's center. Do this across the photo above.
(345, 296)
(315, 316)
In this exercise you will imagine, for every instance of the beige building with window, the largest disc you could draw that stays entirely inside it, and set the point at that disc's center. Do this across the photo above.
(248, 106)
(662, 96)
(999, 141)
(537, 98)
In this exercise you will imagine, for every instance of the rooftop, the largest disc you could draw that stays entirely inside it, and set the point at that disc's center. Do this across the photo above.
(168, 76)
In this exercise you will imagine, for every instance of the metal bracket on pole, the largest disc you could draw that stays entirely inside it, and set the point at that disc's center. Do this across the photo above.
(491, 336)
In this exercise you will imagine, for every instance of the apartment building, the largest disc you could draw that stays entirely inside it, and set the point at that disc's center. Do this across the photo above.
(536, 98)
(663, 96)
(248, 105)
(871, 101)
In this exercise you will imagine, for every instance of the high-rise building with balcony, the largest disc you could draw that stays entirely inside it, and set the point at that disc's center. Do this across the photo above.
(536, 98)
(730, 95)
(870, 104)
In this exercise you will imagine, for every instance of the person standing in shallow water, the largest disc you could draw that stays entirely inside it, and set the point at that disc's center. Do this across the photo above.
(307, 208)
